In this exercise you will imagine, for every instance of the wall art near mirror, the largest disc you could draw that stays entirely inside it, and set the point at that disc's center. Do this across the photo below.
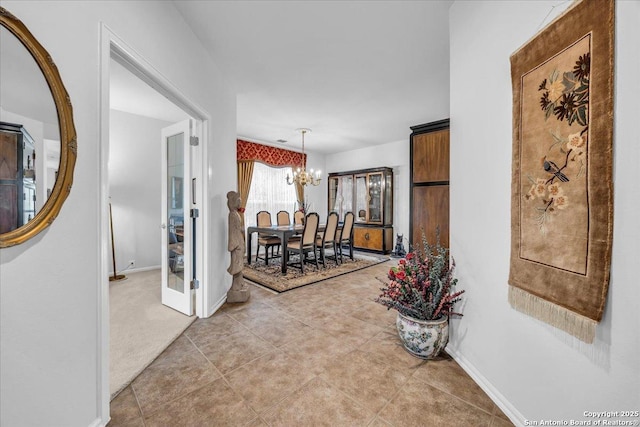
(38, 145)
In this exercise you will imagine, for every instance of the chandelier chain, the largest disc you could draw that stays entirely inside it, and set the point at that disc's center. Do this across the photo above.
(301, 176)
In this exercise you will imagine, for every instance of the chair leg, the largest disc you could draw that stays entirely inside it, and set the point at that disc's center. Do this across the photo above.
(322, 254)
(301, 258)
(351, 250)
(315, 248)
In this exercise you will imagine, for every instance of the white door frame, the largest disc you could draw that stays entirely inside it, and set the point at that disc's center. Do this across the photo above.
(112, 45)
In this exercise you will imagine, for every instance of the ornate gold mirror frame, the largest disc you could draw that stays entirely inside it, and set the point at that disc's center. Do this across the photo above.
(68, 142)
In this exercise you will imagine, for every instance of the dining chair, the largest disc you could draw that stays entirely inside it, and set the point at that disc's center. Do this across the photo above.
(328, 238)
(298, 217)
(283, 218)
(263, 219)
(346, 235)
(307, 244)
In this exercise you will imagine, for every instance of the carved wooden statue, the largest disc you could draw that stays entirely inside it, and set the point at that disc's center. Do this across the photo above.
(239, 291)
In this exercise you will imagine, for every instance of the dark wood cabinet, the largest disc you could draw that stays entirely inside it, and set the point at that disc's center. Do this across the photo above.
(429, 175)
(368, 193)
(17, 177)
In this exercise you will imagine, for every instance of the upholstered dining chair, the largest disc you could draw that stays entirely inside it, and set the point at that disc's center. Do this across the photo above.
(346, 235)
(283, 218)
(307, 244)
(298, 217)
(328, 238)
(269, 241)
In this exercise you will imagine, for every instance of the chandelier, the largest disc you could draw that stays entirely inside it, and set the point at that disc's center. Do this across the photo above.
(301, 176)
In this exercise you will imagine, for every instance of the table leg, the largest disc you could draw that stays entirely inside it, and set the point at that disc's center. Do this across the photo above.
(249, 248)
(285, 254)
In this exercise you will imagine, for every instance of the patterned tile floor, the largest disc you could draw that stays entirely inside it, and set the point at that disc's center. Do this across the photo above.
(321, 355)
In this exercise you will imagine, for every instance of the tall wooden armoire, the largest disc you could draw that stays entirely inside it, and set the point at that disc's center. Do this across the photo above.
(429, 178)
(17, 177)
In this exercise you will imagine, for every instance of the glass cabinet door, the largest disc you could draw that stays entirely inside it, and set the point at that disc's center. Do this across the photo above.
(375, 197)
(362, 198)
(29, 200)
(341, 195)
(388, 199)
(334, 204)
(346, 195)
(366, 193)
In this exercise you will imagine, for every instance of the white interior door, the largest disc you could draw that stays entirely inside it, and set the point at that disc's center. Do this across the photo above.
(177, 232)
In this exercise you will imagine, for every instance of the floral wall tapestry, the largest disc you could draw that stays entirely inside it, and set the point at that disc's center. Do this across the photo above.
(562, 191)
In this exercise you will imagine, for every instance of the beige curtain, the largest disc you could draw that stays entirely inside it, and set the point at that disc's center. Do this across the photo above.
(300, 195)
(245, 173)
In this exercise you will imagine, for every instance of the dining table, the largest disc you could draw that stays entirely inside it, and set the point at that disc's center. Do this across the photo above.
(284, 232)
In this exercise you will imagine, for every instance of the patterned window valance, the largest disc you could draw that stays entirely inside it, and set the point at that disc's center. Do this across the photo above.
(272, 156)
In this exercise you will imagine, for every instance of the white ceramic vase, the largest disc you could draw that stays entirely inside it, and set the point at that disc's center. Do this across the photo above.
(423, 338)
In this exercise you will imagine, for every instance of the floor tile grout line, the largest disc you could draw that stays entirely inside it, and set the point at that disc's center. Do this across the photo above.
(269, 408)
(453, 395)
(150, 414)
(359, 404)
(227, 383)
(395, 393)
(276, 349)
(248, 330)
(266, 409)
(387, 404)
(203, 355)
(135, 395)
(258, 302)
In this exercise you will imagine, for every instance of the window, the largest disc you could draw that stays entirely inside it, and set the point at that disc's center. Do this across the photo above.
(269, 192)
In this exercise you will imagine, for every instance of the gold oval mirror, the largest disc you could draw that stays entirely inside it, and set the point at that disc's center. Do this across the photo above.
(37, 136)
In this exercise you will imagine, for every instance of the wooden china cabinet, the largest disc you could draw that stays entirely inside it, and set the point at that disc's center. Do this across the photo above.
(368, 193)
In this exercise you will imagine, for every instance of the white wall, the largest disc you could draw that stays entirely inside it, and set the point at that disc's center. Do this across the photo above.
(50, 286)
(394, 155)
(135, 183)
(317, 196)
(537, 372)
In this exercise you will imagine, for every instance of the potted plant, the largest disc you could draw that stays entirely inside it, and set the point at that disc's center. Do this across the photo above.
(421, 290)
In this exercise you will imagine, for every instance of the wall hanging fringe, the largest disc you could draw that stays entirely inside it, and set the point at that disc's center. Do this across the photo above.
(579, 326)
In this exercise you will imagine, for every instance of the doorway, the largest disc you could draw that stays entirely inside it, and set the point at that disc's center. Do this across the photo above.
(135, 183)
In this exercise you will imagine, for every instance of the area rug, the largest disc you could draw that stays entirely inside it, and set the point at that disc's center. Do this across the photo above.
(562, 185)
(140, 326)
(271, 276)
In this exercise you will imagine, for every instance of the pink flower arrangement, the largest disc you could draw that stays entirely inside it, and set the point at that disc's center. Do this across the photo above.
(422, 284)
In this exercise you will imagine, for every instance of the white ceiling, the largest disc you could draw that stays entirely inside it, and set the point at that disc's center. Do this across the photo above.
(358, 73)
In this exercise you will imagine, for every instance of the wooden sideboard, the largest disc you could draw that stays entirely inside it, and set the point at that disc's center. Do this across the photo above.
(368, 193)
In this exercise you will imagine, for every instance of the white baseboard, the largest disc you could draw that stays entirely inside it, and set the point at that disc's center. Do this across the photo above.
(137, 270)
(217, 306)
(509, 410)
(98, 423)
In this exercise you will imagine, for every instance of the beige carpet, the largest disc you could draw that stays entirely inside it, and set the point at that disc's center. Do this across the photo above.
(141, 327)
(271, 276)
